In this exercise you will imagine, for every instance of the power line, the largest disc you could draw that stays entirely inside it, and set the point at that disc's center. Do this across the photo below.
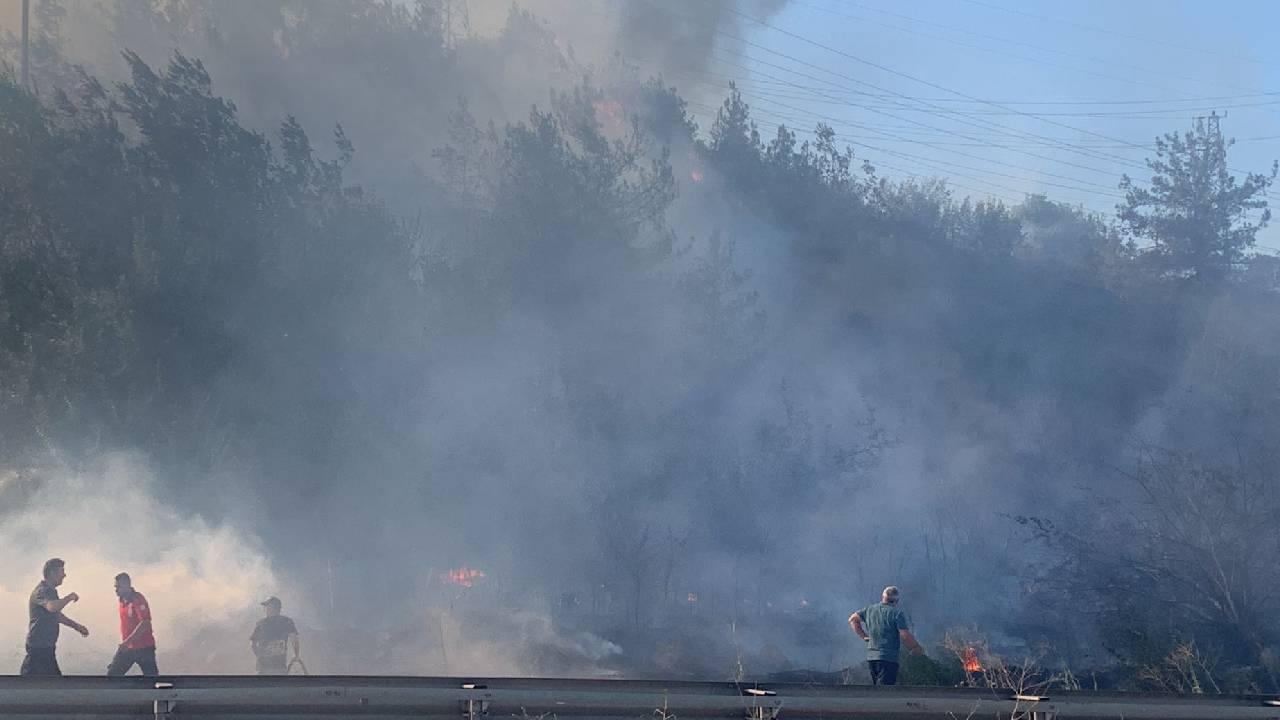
(711, 110)
(979, 48)
(1096, 189)
(1105, 62)
(913, 78)
(977, 2)
(939, 111)
(943, 88)
(1087, 152)
(922, 162)
(1106, 191)
(1145, 101)
(1092, 28)
(947, 173)
(984, 125)
(1161, 114)
(953, 115)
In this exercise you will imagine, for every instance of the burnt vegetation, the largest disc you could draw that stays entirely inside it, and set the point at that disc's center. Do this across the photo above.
(654, 376)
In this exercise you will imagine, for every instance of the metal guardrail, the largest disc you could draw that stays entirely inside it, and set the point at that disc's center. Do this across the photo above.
(393, 698)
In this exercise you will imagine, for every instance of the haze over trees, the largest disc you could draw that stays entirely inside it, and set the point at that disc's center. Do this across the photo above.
(424, 319)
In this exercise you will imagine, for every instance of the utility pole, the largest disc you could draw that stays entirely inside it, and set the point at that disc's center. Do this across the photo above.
(1214, 124)
(1209, 126)
(26, 42)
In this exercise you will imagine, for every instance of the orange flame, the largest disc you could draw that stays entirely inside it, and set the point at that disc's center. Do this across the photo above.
(611, 109)
(971, 663)
(612, 116)
(463, 576)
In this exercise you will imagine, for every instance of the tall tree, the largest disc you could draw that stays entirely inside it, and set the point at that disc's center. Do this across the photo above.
(1196, 217)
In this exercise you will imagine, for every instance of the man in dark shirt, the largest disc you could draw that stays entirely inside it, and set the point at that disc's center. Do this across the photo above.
(884, 627)
(137, 642)
(44, 612)
(271, 639)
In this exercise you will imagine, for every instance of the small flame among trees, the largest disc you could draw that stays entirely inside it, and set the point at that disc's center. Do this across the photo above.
(971, 662)
(611, 109)
(463, 576)
(611, 115)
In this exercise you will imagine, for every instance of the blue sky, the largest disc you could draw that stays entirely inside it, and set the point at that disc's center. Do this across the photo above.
(1006, 97)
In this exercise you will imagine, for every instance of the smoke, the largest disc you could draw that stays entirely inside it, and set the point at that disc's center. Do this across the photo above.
(200, 577)
(11, 16)
(659, 36)
(684, 36)
(501, 471)
(574, 428)
(391, 72)
(691, 464)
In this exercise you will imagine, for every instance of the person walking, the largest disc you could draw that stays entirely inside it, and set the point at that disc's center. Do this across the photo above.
(137, 641)
(44, 618)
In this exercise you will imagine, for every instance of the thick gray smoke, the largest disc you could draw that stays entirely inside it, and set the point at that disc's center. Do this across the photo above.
(658, 35)
(391, 71)
(557, 411)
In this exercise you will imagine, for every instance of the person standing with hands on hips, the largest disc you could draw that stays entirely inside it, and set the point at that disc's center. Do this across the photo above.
(884, 627)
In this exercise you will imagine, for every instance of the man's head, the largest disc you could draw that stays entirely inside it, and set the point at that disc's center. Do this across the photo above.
(890, 595)
(271, 606)
(124, 586)
(55, 571)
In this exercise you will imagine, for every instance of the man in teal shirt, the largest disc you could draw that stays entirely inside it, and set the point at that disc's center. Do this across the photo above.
(884, 627)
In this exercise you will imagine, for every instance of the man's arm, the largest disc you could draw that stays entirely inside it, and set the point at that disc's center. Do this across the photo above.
(855, 622)
(142, 628)
(55, 606)
(910, 640)
(292, 639)
(63, 619)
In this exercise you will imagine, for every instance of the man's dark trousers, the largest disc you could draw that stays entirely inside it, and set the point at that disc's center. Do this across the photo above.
(125, 659)
(883, 672)
(40, 661)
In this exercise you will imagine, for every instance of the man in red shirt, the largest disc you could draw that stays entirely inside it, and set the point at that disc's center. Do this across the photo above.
(137, 644)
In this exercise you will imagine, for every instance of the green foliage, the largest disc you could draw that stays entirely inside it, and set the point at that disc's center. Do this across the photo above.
(139, 271)
(922, 670)
(1195, 217)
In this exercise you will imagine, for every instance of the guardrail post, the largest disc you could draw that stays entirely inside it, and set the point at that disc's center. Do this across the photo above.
(473, 709)
(758, 711)
(163, 708)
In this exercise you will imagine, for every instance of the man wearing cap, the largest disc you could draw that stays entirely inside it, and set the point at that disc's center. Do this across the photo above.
(884, 626)
(271, 639)
(137, 642)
